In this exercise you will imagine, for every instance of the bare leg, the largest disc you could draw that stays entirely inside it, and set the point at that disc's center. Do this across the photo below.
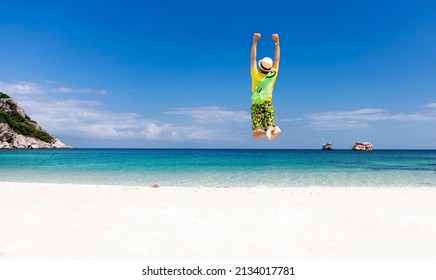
(275, 132)
(258, 133)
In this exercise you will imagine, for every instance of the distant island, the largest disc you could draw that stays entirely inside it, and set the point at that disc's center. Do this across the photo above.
(18, 131)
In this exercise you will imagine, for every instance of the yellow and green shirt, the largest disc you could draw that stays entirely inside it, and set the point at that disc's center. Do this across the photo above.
(256, 76)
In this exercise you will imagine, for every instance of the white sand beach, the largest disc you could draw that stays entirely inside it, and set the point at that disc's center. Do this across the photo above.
(50, 221)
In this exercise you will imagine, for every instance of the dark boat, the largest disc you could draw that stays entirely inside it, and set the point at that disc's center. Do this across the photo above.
(327, 146)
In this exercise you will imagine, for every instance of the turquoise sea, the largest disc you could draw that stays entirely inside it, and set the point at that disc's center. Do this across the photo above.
(220, 167)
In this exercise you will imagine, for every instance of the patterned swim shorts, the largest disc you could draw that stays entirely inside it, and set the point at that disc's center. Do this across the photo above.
(262, 115)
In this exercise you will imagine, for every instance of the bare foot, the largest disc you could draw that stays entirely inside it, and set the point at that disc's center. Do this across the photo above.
(258, 134)
(269, 132)
(275, 132)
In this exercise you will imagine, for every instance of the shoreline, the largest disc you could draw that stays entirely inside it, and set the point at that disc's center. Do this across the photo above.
(68, 221)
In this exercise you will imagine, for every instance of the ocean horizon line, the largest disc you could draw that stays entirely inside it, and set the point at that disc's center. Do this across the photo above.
(249, 149)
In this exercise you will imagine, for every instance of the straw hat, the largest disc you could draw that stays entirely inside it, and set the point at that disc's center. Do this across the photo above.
(265, 64)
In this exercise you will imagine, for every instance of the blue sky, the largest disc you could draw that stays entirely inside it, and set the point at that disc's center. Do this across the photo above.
(175, 74)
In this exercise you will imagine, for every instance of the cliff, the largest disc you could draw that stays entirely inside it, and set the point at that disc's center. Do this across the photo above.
(18, 131)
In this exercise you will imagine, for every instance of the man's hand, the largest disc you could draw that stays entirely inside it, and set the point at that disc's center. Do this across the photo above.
(256, 37)
(275, 37)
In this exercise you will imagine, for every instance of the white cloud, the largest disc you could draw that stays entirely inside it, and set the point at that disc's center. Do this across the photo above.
(45, 88)
(295, 119)
(86, 119)
(78, 90)
(361, 118)
(21, 88)
(431, 105)
(211, 114)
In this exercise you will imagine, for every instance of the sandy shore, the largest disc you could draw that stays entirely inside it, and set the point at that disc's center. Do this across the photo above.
(48, 221)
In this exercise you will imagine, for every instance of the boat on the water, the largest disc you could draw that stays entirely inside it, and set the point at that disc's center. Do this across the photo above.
(362, 146)
(327, 146)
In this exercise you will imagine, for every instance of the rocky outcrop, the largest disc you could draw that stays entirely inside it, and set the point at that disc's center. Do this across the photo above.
(18, 131)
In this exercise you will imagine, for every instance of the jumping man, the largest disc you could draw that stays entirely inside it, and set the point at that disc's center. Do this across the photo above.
(262, 84)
